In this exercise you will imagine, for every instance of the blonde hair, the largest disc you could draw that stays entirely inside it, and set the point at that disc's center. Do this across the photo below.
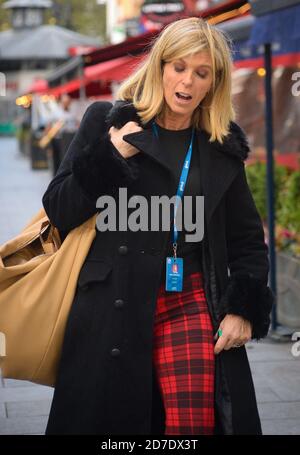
(144, 88)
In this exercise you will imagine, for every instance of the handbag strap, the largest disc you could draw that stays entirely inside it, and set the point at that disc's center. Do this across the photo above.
(53, 242)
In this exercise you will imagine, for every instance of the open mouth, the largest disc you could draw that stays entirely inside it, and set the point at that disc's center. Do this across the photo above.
(183, 96)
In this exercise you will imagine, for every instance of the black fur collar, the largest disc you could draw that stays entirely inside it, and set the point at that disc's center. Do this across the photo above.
(235, 144)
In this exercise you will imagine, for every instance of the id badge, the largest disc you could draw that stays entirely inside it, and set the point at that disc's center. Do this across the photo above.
(174, 274)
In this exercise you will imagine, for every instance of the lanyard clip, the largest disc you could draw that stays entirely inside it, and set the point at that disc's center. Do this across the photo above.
(175, 249)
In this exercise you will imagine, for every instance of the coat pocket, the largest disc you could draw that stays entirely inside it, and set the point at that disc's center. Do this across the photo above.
(93, 271)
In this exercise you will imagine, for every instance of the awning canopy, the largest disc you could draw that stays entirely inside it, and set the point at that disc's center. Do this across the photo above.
(38, 86)
(260, 7)
(247, 55)
(279, 26)
(92, 88)
(113, 70)
(133, 45)
(68, 87)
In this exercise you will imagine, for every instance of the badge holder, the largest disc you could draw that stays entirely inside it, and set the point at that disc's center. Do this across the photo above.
(174, 271)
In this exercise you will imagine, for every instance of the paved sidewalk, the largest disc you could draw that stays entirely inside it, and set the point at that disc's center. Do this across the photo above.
(276, 376)
(24, 407)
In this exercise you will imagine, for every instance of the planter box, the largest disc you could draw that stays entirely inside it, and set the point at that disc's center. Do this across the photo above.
(288, 290)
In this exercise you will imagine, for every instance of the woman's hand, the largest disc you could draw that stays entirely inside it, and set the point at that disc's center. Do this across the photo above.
(116, 137)
(236, 331)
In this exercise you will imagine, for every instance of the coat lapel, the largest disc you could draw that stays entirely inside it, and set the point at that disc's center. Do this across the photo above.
(217, 171)
(147, 143)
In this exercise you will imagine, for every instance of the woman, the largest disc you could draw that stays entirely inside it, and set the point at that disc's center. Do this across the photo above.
(148, 349)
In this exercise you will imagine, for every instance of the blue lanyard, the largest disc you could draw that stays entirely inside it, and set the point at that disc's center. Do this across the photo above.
(182, 182)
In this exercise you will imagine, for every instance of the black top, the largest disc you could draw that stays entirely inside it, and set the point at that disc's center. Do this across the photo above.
(174, 144)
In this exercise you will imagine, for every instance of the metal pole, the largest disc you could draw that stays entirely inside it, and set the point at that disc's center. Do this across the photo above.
(270, 176)
(82, 92)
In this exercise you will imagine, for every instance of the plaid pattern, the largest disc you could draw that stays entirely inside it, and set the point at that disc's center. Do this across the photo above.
(183, 358)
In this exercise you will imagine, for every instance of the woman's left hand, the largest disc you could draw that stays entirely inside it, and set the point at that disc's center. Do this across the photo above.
(236, 331)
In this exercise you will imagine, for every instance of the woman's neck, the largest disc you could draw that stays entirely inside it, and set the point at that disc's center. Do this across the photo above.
(170, 123)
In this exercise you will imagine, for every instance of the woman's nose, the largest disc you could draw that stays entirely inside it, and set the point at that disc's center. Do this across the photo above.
(187, 80)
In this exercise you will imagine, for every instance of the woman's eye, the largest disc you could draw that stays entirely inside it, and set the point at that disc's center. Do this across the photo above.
(179, 69)
(202, 75)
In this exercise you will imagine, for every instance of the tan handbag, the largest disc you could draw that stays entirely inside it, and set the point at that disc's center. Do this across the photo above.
(38, 279)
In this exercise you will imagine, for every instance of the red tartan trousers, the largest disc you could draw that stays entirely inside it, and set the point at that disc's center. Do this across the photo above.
(183, 358)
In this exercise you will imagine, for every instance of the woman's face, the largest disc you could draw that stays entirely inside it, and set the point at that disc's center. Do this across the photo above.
(190, 76)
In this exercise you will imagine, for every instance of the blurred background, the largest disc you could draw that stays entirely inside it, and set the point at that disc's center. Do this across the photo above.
(58, 57)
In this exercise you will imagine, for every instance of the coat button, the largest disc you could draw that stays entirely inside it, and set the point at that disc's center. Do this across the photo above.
(123, 250)
(119, 303)
(115, 352)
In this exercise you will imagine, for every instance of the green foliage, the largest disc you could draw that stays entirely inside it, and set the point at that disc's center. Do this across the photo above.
(85, 17)
(289, 214)
(257, 179)
(4, 18)
(287, 203)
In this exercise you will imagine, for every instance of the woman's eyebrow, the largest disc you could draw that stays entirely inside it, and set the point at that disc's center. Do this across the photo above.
(202, 65)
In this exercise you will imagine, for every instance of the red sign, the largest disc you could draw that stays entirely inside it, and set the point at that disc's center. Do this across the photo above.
(81, 50)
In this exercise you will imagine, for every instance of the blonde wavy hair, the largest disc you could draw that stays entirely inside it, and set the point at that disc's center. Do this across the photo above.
(144, 88)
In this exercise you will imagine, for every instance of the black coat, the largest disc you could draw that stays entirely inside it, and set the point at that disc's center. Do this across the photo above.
(105, 380)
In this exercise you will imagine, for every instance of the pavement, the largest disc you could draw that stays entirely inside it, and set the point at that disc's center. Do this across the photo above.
(24, 406)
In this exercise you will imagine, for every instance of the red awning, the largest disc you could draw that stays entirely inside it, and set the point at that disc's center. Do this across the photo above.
(132, 45)
(117, 69)
(72, 88)
(68, 87)
(38, 86)
(81, 50)
(112, 70)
